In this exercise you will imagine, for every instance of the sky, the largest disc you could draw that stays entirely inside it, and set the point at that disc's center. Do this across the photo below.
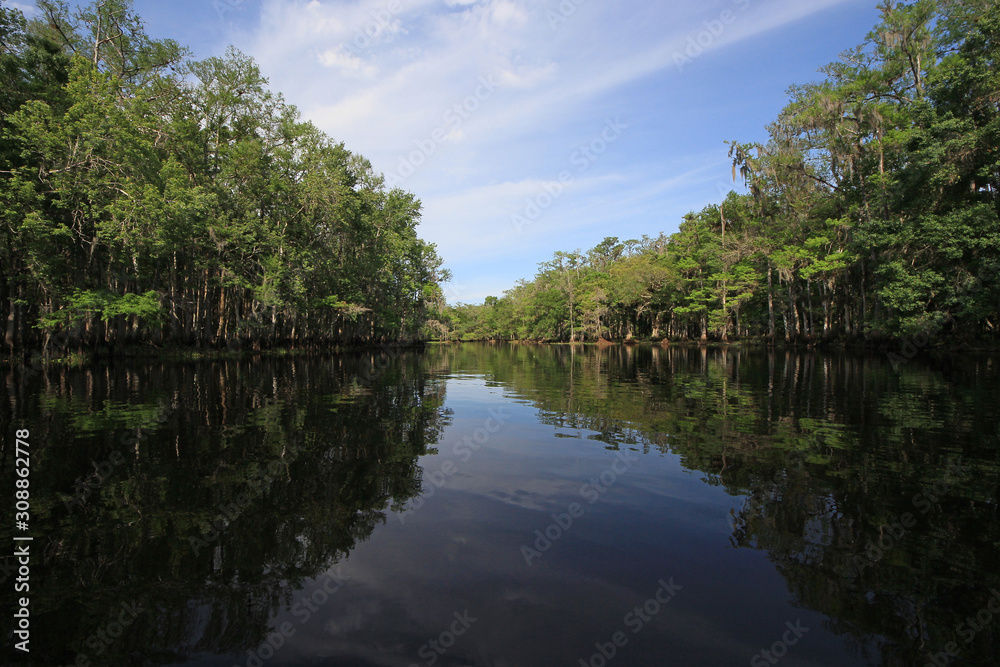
(527, 127)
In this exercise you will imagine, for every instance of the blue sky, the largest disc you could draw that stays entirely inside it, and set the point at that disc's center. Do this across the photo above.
(531, 126)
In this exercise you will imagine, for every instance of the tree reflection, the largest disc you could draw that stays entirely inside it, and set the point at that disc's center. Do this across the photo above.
(873, 490)
(237, 482)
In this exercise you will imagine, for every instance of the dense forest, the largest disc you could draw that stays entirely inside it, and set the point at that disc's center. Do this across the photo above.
(149, 198)
(821, 475)
(207, 492)
(872, 214)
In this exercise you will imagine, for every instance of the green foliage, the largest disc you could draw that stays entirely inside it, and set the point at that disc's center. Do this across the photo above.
(147, 198)
(142, 306)
(873, 213)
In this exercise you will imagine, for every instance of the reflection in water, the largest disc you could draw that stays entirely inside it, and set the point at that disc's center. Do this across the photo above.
(353, 510)
(237, 482)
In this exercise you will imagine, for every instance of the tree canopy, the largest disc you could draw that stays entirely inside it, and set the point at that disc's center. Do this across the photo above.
(873, 213)
(150, 198)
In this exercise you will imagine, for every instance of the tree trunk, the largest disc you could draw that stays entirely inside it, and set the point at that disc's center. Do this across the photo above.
(770, 306)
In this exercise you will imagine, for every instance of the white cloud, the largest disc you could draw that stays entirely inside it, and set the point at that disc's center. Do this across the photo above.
(345, 61)
(504, 11)
(385, 75)
(27, 10)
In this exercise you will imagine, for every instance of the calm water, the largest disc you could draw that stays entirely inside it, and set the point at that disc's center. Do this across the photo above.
(512, 506)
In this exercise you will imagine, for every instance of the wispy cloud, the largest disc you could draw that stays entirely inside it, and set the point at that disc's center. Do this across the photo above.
(400, 81)
(26, 9)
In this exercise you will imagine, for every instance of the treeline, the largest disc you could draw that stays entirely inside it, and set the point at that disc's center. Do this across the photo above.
(821, 452)
(146, 198)
(873, 214)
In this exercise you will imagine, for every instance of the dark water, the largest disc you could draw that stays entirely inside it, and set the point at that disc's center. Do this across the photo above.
(509, 506)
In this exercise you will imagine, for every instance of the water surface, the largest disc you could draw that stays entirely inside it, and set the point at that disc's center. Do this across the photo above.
(513, 505)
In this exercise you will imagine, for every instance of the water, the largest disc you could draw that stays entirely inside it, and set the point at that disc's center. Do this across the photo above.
(512, 506)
